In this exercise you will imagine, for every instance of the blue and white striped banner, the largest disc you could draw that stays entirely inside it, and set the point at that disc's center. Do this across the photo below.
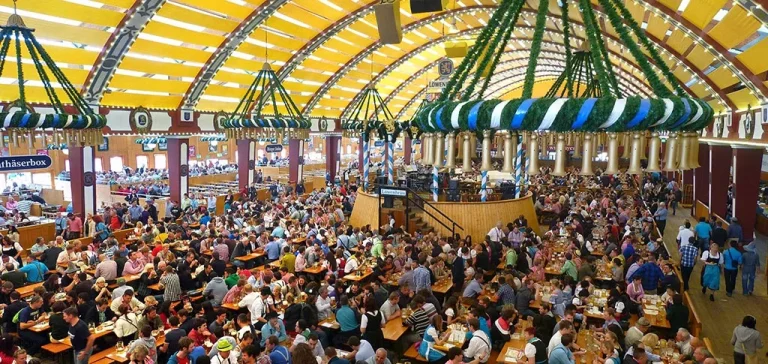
(391, 164)
(366, 163)
(518, 167)
(435, 186)
(484, 186)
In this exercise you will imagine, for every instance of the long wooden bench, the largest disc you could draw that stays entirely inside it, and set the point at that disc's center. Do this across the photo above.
(413, 354)
(694, 323)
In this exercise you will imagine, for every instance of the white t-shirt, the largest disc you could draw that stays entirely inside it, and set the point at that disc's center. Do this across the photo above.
(449, 312)
(556, 340)
(350, 266)
(530, 350)
(364, 351)
(364, 320)
(684, 235)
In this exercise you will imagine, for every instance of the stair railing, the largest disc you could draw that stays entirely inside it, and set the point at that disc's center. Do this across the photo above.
(415, 200)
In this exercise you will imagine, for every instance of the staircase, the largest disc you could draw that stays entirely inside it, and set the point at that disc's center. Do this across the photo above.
(417, 223)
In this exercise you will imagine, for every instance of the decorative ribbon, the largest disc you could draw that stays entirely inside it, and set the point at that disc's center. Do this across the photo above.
(366, 162)
(618, 109)
(642, 113)
(472, 120)
(551, 114)
(455, 115)
(391, 165)
(483, 186)
(518, 167)
(439, 115)
(685, 115)
(669, 106)
(581, 117)
(496, 115)
(517, 120)
(434, 184)
(697, 116)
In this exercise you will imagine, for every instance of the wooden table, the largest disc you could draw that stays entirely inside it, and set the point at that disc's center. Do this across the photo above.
(650, 306)
(130, 278)
(255, 255)
(394, 329)
(451, 342)
(28, 290)
(315, 270)
(123, 356)
(355, 278)
(231, 306)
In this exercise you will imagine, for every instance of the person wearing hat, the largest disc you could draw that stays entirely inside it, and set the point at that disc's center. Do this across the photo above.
(223, 354)
(635, 333)
(274, 327)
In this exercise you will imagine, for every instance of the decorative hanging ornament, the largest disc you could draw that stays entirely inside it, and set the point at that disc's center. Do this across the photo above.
(19, 119)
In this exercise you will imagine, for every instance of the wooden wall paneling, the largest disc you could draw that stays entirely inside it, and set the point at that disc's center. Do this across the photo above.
(365, 211)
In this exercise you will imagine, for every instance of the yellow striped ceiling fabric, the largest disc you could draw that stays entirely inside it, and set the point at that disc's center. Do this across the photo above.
(73, 12)
(657, 27)
(699, 89)
(122, 99)
(754, 58)
(743, 99)
(723, 77)
(736, 26)
(187, 15)
(679, 41)
(700, 57)
(701, 12)
(671, 4)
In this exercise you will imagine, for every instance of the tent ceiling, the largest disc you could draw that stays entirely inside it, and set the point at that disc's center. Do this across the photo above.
(205, 53)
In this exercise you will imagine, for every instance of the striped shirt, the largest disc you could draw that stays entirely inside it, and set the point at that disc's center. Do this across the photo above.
(419, 319)
(171, 287)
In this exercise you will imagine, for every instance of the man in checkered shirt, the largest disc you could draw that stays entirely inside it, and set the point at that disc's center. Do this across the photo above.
(688, 255)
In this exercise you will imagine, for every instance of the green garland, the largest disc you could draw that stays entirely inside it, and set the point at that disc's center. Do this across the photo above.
(604, 53)
(653, 79)
(640, 34)
(538, 34)
(567, 42)
(602, 75)
(509, 29)
(569, 112)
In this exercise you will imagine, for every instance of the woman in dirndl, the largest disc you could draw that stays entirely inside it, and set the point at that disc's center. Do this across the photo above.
(713, 260)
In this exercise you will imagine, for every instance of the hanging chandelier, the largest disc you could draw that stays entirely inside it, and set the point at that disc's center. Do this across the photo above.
(71, 121)
(370, 116)
(258, 115)
(585, 101)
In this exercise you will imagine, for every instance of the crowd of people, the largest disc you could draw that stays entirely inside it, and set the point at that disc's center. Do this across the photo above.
(288, 280)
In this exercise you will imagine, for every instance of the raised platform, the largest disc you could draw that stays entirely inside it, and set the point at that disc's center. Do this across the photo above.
(477, 218)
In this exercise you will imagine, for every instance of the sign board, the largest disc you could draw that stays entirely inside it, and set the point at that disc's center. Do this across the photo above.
(378, 143)
(24, 162)
(439, 83)
(445, 67)
(274, 148)
(392, 192)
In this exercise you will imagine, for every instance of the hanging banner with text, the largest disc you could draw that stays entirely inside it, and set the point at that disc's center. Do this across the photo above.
(24, 162)
(274, 148)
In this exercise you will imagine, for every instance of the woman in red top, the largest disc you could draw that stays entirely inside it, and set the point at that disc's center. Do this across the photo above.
(6, 350)
(200, 333)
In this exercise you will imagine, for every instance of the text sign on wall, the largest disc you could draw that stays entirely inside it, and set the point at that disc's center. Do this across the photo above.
(23, 162)
(274, 148)
(393, 192)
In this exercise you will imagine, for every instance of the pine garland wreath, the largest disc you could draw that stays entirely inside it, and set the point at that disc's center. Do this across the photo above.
(538, 35)
(567, 42)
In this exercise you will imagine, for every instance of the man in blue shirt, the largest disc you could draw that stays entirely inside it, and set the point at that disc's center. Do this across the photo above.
(205, 219)
(421, 277)
(349, 322)
(272, 249)
(661, 217)
(688, 256)
(731, 267)
(34, 270)
(561, 354)
(273, 327)
(278, 354)
(651, 275)
(703, 233)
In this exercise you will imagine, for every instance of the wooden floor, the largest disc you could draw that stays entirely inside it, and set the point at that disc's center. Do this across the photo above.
(719, 318)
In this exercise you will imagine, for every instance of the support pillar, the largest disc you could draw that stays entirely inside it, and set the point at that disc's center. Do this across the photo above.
(746, 187)
(407, 150)
(720, 158)
(246, 163)
(332, 156)
(360, 158)
(82, 180)
(178, 167)
(295, 160)
(701, 178)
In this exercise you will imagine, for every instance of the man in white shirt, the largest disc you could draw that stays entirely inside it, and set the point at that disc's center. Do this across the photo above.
(260, 307)
(479, 345)
(361, 349)
(390, 309)
(684, 234)
(565, 328)
(323, 304)
(352, 264)
(496, 233)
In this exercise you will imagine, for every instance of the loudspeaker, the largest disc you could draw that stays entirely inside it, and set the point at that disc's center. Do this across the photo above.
(388, 21)
(426, 6)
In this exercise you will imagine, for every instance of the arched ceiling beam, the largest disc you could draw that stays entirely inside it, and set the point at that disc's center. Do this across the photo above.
(118, 44)
(320, 39)
(750, 80)
(418, 74)
(371, 48)
(225, 50)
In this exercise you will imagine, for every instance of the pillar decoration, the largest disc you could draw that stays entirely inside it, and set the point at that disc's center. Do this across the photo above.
(435, 183)
(670, 164)
(407, 150)
(361, 156)
(485, 164)
(634, 159)
(747, 162)
(509, 154)
(390, 163)
(82, 179)
(586, 160)
(613, 154)
(526, 168)
(653, 153)
(450, 161)
(178, 167)
(559, 156)
(366, 162)
(577, 145)
(533, 155)
(625, 142)
(332, 156)
(295, 160)
(483, 185)
(473, 147)
(438, 158)
(720, 159)
(701, 176)
(466, 163)
(519, 166)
